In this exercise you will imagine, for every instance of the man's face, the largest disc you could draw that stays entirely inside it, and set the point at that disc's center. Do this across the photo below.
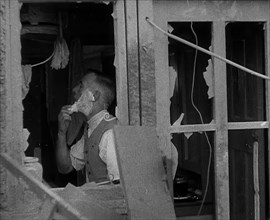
(84, 83)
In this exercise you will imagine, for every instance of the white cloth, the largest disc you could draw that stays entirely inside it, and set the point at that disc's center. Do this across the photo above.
(106, 148)
(26, 79)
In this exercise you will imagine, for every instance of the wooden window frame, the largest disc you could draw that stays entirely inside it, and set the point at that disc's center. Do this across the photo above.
(219, 13)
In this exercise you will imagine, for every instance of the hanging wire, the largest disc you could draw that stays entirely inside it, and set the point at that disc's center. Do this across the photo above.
(202, 121)
(45, 61)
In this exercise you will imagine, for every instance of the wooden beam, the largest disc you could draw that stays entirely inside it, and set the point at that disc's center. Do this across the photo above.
(226, 11)
(221, 152)
(162, 82)
(39, 29)
(39, 188)
(120, 62)
(133, 77)
(192, 128)
(146, 63)
(248, 125)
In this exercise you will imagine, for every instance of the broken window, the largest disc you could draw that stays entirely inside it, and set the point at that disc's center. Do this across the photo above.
(188, 77)
(191, 90)
(88, 32)
(246, 103)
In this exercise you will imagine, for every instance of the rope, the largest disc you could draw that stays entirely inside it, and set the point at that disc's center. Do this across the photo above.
(37, 64)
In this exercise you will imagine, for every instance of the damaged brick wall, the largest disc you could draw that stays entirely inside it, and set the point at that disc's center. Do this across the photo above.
(10, 102)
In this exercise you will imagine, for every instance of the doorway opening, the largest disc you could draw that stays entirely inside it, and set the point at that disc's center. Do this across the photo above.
(88, 31)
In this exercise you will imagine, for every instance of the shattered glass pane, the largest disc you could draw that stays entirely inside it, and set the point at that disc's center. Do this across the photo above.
(182, 65)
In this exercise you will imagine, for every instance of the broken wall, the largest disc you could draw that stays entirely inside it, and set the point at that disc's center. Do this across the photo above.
(11, 124)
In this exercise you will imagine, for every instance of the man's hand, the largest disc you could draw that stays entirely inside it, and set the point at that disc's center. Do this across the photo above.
(64, 119)
(63, 160)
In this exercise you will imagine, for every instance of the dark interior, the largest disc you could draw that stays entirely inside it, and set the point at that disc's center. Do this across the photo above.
(193, 152)
(87, 29)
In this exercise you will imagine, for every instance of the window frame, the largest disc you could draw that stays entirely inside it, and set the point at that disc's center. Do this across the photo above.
(219, 14)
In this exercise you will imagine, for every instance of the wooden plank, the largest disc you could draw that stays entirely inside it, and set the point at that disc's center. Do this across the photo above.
(134, 96)
(142, 173)
(192, 128)
(221, 160)
(248, 125)
(39, 29)
(121, 62)
(162, 82)
(147, 63)
(38, 187)
(217, 10)
(162, 78)
(47, 210)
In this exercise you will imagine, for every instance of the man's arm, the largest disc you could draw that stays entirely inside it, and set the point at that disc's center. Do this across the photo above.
(63, 160)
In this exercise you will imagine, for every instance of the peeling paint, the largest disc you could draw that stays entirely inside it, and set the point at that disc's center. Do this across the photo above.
(209, 77)
(179, 120)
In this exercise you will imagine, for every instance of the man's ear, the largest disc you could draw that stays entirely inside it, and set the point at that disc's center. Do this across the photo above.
(96, 95)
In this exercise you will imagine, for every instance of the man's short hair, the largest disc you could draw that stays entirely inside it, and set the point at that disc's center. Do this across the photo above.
(107, 85)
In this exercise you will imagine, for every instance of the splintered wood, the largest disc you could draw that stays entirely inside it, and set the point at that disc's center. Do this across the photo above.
(142, 173)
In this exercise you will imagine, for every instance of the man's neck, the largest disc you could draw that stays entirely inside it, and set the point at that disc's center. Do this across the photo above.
(93, 113)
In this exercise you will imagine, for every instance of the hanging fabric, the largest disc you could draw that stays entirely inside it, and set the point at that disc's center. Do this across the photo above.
(26, 79)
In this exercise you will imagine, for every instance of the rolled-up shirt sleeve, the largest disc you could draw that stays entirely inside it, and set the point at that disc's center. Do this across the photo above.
(108, 155)
(77, 154)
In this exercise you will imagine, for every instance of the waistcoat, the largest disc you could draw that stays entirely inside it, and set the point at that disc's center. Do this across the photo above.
(96, 169)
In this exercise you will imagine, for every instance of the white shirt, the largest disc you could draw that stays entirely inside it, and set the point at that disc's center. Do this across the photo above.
(106, 148)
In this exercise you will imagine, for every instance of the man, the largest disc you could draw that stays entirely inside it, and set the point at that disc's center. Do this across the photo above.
(96, 149)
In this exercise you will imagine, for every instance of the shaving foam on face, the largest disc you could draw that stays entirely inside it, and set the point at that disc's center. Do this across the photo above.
(84, 103)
